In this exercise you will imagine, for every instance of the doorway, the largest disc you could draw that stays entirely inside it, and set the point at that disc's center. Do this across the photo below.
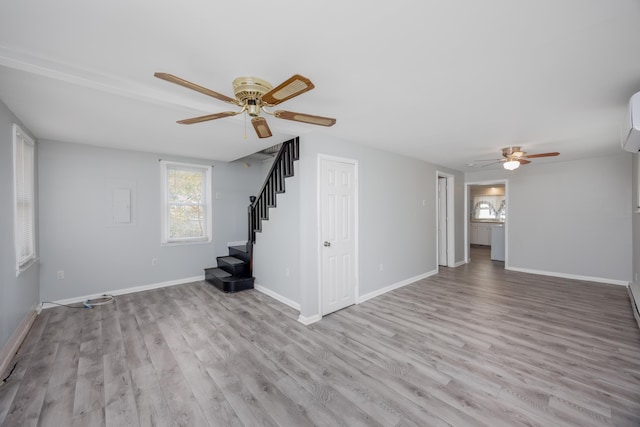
(486, 222)
(338, 233)
(445, 219)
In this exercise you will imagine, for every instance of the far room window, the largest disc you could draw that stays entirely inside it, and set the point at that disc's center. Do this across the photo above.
(186, 203)
(24, 191)
(484, 210)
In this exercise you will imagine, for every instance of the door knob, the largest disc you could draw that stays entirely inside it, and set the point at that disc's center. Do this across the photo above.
(327, 244)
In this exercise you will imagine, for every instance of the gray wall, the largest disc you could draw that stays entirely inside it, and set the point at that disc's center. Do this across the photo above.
(571, 217)
(459, 214)
(391, 218)
(395, 229)
(18, 295)
(77, 236)
(635, 284)
(276, 264)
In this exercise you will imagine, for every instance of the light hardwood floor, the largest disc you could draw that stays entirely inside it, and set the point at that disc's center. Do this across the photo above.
(471, 346)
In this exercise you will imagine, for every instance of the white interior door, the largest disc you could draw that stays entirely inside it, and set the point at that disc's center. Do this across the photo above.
(338, 234)
(442, 222)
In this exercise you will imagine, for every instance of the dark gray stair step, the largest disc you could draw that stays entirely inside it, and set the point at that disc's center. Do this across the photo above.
(230, 260)
(234, 266)
(239, 252)
(217, 273)
(227, 282)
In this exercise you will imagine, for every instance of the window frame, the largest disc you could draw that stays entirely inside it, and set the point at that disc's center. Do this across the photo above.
(165, 167)
(24, 194)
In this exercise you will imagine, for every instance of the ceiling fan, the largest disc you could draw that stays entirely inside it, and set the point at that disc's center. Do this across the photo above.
(513, 157)
(252, 95)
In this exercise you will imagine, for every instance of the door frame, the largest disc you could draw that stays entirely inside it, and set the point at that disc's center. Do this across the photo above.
(467, 216)
(321, 157)
(451, 240)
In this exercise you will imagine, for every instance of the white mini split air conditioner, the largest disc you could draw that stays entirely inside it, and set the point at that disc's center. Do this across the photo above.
(631, 130)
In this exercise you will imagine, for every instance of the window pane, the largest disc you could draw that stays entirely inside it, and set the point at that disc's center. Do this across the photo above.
(186, 186)
(484, 214)
(24, 170)
(186, 222)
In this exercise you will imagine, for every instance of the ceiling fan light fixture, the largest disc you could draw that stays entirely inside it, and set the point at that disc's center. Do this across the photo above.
(511, 165)
(253, 108)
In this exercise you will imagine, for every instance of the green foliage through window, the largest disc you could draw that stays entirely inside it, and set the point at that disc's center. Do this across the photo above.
(187, 202)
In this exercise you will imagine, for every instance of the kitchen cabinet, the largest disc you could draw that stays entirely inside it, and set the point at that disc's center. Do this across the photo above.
(480, 233)
(497, 242)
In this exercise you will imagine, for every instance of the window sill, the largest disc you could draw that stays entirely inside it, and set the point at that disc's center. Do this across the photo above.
(185, 242)
(26, 266)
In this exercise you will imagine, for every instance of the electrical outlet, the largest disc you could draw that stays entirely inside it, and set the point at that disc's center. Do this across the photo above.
(60, 274)
(154, 262)
(287, 272)
(381, 267)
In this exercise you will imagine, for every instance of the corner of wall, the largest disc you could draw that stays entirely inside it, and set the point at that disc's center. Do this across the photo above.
(635, 303)
(13, 345)
(309, 320)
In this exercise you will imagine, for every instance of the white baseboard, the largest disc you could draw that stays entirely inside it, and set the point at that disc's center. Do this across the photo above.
(309, 320)
(362, 298)
(459, 263)
(276, 296)
(365, 297)
(570, 276)
(124, 291)
(11, 347)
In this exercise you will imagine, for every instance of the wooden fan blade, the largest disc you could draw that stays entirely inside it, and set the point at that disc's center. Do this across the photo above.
(182, 82)
(523, 161)
(261, 127)
(534, 156)
(494, 163)
(305, 118)
(207, 117)
(291, 87)
(487, 160)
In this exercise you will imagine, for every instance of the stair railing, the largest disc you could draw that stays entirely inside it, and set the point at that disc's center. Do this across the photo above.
(274, 183)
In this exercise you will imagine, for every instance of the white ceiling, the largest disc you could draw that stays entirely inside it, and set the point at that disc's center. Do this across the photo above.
(442, 81)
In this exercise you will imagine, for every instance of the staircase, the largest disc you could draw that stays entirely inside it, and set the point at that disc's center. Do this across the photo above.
(282, 168)
(235, 272)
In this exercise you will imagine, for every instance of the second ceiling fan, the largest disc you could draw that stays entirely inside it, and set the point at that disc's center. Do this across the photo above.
(254, 95)
(513, 157)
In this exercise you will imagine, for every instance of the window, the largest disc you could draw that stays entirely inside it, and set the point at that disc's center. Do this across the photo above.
(484, 210)
(24, 191)
(186, 203)
(492, 208)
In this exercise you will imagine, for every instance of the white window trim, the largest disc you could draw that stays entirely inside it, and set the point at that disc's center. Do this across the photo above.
(21, 136)
(165, 241)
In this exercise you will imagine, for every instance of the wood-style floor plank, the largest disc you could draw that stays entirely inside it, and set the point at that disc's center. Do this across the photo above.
(475, 345)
